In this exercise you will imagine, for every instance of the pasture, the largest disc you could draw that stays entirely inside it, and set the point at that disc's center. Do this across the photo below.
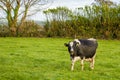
(48, 59)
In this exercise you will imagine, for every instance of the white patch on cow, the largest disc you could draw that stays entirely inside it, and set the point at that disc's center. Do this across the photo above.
(71, 45)
(77, 41)
(77, 58)
(92, 39)
(88, 59)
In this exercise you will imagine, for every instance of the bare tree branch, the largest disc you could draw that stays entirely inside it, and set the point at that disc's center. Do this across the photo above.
(18, 10)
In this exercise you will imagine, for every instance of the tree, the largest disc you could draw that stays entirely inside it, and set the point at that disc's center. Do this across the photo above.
(17, 10)
(106, 13)
(56, 18)
(59, 14)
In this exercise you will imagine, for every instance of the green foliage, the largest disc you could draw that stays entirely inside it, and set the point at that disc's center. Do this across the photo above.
(59, 14)
(56, 24)
(101, 20)
(48, 59)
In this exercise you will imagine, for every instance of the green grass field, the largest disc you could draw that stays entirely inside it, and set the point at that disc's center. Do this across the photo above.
(48, 59)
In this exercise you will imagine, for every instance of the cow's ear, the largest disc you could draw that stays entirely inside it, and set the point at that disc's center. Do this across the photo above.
(66, 44)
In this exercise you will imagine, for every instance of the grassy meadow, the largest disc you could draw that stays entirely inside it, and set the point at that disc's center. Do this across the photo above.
(48, 59)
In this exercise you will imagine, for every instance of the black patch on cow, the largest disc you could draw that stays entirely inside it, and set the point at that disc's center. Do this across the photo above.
(87, 48)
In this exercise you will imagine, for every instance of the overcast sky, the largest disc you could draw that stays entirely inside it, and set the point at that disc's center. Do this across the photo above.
(72, 4)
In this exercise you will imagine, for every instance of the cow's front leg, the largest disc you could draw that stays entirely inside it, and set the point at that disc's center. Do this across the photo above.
(73, 62)
(72, 65)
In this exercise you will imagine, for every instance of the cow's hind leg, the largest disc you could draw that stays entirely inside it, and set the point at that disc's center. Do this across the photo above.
(82, 64)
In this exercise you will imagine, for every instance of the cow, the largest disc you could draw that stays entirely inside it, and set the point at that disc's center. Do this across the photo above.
(83, 50)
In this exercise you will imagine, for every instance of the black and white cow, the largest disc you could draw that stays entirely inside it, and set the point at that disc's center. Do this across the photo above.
(83, 50)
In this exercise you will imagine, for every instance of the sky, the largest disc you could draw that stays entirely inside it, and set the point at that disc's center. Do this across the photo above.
(71, 4)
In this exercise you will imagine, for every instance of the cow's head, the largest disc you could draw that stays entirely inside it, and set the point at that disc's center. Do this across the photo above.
(72, 47)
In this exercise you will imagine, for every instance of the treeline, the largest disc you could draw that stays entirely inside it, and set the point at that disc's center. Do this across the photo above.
(101, 20)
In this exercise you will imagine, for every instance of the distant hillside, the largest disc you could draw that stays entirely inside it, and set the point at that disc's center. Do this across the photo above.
(41, 23)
